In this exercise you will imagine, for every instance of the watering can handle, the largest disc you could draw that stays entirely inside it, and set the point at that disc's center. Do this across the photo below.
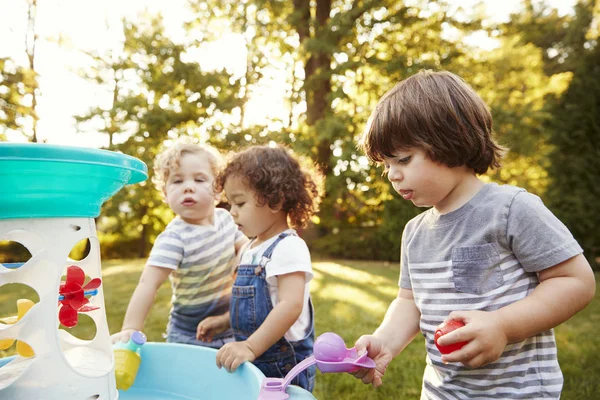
(307, 362)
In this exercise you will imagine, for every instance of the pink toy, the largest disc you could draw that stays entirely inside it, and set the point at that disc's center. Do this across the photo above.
(330, 355)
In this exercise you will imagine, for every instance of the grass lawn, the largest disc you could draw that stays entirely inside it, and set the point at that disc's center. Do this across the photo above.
(350, 299)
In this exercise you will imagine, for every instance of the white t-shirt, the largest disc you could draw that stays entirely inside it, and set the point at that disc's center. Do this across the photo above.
(290, 255)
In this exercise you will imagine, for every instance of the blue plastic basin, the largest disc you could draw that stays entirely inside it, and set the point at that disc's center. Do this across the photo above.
(171, 371)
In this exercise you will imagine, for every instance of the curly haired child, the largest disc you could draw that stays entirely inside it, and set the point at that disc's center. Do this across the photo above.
(197, 250)
(271, 311)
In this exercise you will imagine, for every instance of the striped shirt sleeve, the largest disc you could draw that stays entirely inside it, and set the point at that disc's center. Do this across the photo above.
(538, 239)
(167, 251)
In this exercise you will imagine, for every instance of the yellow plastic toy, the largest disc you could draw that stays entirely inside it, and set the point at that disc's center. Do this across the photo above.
(127, 360)
(23, 349)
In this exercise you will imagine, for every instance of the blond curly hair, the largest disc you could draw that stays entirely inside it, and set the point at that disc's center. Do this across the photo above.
(171, 157)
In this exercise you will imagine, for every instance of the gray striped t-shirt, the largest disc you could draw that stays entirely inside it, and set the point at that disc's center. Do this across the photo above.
(203, 260)
(484, 256)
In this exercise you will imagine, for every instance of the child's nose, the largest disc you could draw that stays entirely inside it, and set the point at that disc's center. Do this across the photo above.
(189, 186)
(394, 174)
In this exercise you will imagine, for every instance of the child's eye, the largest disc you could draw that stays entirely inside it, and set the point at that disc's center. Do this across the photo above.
(200, 180)
(239, 204)
(404, 160)
(177, 181)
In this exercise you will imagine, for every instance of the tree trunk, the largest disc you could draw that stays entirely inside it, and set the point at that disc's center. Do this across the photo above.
(30, 42)
(317, 83)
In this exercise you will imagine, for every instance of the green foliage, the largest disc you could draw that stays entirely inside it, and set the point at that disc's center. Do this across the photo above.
(16, 87)
(511, 80)
(158, 96)
(13, 252)
(350, 53)
(338, 61)
(353, 243)
(542, 26)
(574, 194)
(381, 242)
(569, 124)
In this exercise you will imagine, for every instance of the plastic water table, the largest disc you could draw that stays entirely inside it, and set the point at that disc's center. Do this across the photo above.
(183, 372)
(49, 197)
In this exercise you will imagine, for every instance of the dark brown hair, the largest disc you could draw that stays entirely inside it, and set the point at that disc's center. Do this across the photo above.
(439, 113)
(278, 180)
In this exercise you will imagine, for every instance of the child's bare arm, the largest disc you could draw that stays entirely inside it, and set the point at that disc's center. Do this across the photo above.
(141, 301)
(401, 322)
(277, 323)
(283, 315)
(564, 290)
(399, 327)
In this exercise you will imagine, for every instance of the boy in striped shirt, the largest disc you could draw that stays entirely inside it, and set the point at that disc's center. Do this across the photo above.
(493, 257)
(197, 250)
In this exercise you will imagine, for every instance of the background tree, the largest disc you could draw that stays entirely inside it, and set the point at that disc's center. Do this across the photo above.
(339, 58)
(512, 81)
(19, 84)
(574, 193)
(159, 97)
(15, 96)
(31, 39)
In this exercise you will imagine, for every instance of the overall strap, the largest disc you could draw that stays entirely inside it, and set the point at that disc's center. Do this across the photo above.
(266, 257)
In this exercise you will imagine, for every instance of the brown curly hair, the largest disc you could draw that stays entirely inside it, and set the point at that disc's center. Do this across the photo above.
(278, 180)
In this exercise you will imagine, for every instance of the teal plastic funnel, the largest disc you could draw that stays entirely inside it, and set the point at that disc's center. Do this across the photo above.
(45, 181)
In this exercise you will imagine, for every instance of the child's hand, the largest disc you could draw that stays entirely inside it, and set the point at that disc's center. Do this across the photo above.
(233, 354)
(485, 334)
(122, 336)
(211, 326)
(375, 350)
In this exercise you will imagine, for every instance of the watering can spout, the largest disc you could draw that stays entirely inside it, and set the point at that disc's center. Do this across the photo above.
(330, 355)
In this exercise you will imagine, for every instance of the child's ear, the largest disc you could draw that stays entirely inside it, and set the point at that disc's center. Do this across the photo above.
(217, 198)
(276, 208)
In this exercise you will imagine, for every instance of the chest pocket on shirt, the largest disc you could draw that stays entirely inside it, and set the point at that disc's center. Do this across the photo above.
(476, 269)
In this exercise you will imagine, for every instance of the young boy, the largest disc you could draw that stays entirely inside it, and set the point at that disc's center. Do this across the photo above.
(493, 257)
(197, 250)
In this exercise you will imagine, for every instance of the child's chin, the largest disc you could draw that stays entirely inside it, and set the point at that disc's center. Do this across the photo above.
(417, 203)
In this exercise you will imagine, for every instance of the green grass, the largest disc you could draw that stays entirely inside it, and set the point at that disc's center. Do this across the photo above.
(350, 299)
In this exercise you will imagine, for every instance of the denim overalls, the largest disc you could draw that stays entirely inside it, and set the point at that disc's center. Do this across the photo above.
(250, 305)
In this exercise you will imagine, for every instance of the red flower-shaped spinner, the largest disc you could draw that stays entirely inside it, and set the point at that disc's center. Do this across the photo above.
(73, 299)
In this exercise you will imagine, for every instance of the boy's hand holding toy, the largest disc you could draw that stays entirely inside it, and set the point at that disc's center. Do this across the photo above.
(375, 349)
(473, 338)
(445, 328)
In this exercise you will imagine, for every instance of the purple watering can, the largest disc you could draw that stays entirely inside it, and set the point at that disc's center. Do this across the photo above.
(330, 355)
